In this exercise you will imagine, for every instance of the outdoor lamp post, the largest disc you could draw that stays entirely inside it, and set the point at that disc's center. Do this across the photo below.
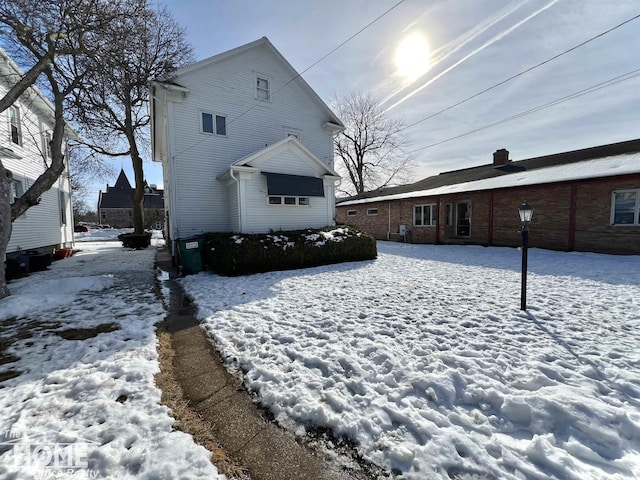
(526, 214)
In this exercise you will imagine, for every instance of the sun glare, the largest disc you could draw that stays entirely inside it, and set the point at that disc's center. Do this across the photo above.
(413, 56)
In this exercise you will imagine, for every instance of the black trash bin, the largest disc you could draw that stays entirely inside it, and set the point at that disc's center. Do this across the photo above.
(190, 254)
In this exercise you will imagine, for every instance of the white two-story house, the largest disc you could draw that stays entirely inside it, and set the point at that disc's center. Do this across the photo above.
(246, 145)
(25, 133)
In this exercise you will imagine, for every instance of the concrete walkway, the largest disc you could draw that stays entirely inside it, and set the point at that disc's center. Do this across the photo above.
(266, 450)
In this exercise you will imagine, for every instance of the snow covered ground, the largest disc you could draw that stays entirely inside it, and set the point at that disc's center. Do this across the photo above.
(101, 234)
(81, 339)
(425, 361)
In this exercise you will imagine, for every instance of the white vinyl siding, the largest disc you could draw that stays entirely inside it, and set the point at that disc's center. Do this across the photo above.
(40, 226)
(201, 202)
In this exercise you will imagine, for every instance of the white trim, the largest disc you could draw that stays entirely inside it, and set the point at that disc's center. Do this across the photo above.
(214, 126)
(267, 78)
(292, 132)
(432, 219)
(636, 211)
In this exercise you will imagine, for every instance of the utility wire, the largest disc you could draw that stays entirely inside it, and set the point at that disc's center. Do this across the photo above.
(593, 88)
(522, 72)
(298, 75)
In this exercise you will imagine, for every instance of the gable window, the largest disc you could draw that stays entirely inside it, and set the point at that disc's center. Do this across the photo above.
(424, 215)
(294, 201)
(351, 213)
(625, 207)
(372, 211)
(209, 121)
(14, 125)
(262, 88)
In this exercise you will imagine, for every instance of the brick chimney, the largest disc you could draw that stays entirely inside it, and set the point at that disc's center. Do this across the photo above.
(501, 157)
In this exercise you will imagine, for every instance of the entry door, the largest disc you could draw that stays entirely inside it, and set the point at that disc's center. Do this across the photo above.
(463, 219)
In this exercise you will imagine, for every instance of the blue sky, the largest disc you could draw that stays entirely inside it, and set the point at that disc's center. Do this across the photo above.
(473, 44)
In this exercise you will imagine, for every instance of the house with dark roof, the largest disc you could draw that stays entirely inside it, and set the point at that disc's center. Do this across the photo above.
(115, 205)
(586, 200)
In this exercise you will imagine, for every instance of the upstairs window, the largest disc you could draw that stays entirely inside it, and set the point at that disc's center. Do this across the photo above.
(262, 89)
(17, 189)
(625, 207)
(46, 144)
(14, 125)
(211, 121)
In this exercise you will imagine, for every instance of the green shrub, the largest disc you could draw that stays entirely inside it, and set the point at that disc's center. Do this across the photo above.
(135, 240)
(240, 254)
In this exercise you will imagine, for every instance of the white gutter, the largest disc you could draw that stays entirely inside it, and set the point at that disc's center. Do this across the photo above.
(237, 180)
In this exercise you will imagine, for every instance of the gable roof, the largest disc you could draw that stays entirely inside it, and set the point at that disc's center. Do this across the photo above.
(173, 79)
(290, 142)
(621, 158)
(120, 195)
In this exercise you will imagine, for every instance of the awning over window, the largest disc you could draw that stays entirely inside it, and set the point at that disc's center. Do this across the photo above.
(279, 184)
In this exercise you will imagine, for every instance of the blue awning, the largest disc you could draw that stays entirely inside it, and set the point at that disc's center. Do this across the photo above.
(279, 184)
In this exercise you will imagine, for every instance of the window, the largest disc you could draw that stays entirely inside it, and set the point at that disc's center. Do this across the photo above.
(46, 144)
(63, 207)
(625, 207)
(351, 213)
(262, 89)
(17, 190)
(300, 201)
(372, 211)
(424, 215)
(14, 125)
(208, 120)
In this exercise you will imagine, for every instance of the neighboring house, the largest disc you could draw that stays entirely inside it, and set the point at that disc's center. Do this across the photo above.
(115, 205)
(246, 145)
(585, 200)
(25, 133)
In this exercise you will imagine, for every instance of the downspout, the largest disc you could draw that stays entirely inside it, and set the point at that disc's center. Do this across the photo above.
(389, 226)
(437, 239)
(237, 180)
(490, 232)
(572, 217)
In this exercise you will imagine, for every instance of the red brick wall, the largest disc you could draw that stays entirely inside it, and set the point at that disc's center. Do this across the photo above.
(551, 220)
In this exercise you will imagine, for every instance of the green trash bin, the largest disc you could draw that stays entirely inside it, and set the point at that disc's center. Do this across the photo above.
(190, 254)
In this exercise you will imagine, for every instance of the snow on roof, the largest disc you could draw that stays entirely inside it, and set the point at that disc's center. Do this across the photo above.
(601, 167)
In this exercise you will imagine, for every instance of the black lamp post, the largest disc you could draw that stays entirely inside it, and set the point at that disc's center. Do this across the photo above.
(526, 214)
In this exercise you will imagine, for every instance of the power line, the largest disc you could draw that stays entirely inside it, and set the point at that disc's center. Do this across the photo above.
(298, 75)
(522, 72)
(593, 88)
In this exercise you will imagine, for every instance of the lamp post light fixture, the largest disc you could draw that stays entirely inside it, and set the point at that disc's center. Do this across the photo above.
(526, 214)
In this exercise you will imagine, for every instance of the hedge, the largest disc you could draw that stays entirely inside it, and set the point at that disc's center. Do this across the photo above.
(240, 254)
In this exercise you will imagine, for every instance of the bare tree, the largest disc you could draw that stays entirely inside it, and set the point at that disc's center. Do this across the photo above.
(372, 148)
(113, 105)
(39, 35)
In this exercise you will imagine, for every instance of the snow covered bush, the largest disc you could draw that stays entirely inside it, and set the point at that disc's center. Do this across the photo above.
(240, 254)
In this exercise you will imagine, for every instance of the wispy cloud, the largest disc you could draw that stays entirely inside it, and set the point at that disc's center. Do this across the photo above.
(456, 45)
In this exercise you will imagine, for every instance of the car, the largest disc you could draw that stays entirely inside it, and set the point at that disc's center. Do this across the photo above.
(104, 226)
(80, 229)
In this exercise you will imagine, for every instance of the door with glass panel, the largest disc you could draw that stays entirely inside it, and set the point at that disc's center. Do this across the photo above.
(463, 219)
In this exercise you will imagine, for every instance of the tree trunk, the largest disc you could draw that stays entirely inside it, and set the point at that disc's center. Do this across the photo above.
(5, 225)
(138, 192)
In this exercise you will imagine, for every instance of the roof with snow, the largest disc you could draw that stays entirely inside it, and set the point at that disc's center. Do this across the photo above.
(621, 158)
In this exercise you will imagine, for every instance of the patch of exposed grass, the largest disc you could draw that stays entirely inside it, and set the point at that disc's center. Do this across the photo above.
(187, 420)
(85, 333)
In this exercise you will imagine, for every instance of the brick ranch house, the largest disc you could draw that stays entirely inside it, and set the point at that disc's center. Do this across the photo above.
(586, 200)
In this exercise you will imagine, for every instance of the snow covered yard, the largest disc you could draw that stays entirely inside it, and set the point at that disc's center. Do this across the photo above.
(425, 361)
(79, 341)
